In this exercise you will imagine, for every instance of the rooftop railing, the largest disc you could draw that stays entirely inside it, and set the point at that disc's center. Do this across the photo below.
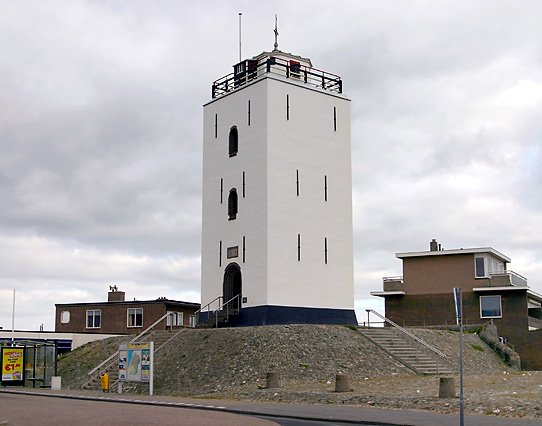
(250, 70)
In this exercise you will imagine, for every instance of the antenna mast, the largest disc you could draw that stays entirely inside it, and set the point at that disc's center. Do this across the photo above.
(276, 36)
(240, 59)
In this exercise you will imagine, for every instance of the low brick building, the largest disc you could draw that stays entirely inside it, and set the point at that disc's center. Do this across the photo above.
(423, 296)
(118, 316)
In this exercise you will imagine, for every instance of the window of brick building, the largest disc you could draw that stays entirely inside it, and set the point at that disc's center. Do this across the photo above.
(94, 318)
(135, 317)
(490, 307)
(65, 317)
(175, 319)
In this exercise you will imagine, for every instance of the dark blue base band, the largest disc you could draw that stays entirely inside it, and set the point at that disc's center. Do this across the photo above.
(270, 315)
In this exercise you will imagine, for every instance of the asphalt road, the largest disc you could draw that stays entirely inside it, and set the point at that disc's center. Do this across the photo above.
(25, 410)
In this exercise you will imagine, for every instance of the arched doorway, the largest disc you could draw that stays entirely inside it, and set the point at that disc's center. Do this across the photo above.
(232, 285)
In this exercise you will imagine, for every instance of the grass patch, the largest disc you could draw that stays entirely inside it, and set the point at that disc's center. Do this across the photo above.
(304, 365)
(478, 348)
(351, 327)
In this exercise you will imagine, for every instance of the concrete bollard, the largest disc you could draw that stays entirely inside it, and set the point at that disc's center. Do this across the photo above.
(342, 383)
(56, 383)
(272, 381)
(446, 388)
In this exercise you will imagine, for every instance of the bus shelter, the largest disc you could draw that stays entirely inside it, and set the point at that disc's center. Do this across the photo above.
(39, 361)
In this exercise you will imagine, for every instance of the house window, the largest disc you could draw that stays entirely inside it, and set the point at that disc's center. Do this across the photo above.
(486, 266)
(192, 321)
(65, 317)
(234, 141)
(480, 269)
(94, 318)
(490, 307)
(175, 319)
(135, 317)
(232, 204)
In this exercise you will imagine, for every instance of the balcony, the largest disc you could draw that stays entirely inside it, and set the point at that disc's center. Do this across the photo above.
(249, 70)
(506, 278)
(393, 284)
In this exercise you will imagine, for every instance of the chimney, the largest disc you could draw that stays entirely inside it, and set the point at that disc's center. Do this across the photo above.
(115, 295)
(433, 245)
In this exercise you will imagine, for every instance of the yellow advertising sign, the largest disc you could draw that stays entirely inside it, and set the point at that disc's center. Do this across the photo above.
(12, 364)
(139, 345)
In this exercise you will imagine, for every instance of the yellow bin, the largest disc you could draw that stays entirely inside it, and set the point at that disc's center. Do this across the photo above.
(104, 380)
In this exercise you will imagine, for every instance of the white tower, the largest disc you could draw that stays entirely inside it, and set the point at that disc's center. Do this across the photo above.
(277, 195)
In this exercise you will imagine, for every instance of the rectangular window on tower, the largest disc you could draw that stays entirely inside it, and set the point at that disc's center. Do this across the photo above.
(243, 184)
(287, 107)
(295, 69)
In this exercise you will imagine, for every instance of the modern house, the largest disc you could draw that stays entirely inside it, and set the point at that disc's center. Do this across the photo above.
(277, 195)
(423, 296)
(118, 316)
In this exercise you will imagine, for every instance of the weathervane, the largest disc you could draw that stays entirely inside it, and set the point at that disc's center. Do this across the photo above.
(276, 35)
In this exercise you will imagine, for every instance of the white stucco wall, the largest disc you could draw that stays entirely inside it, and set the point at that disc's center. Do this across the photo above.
(271, 215)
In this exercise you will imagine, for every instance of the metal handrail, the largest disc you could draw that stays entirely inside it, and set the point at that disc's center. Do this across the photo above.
(131, 341)
(208, 305)
(409, 334)
(226, 304)
(270, 64)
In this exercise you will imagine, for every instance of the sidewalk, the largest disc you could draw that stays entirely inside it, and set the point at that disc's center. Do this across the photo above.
(333, 413)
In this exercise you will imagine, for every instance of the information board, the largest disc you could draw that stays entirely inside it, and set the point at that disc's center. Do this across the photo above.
(135, 362)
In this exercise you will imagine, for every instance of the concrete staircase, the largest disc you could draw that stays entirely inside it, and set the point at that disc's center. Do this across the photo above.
(160, 339)
(410, 353)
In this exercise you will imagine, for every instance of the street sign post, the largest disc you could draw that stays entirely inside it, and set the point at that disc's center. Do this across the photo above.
(458, 297)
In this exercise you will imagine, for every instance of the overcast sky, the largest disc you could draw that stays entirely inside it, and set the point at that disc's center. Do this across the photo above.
(101, 134)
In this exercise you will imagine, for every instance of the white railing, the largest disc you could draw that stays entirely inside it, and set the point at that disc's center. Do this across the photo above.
(393, 279)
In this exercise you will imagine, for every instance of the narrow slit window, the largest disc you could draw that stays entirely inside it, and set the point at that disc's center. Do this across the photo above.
(232, 204)
(221, 190)
(249, 112)
(243, 249)
(216, 126)
(220, 254)
(325, 187)
(243, 184)
(325, 250)
(298, 247)
(335, 119)
(287, 107)
(233, 142)
(297, 181)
